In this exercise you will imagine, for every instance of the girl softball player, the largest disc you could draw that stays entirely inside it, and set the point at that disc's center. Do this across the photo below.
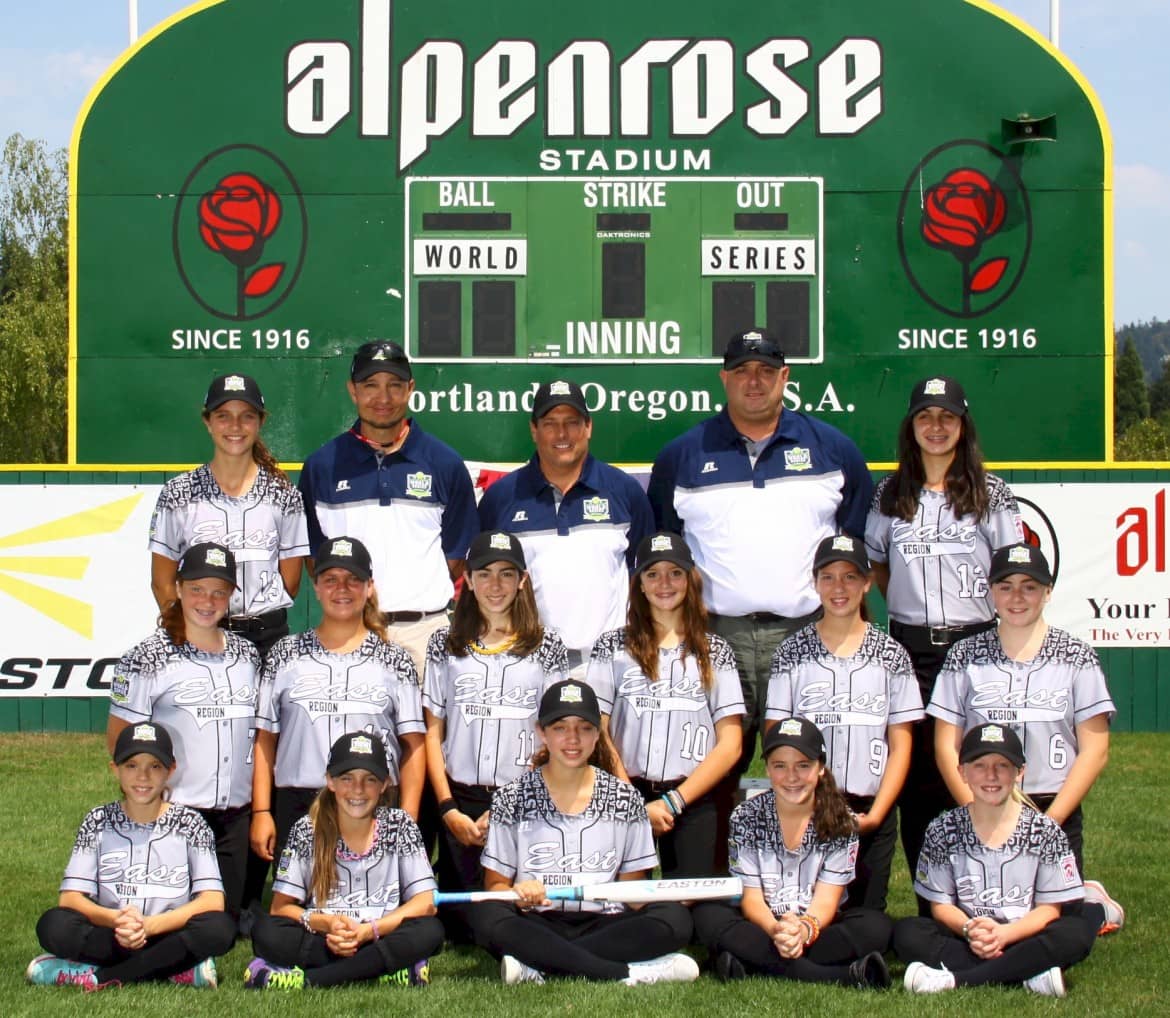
(200, 682)
(240, 499)
(794, 847)
(318, 685)
(857, 684)
(996, 873)
(932, 527)
(484, 677)
(570, 821)
(670, 694)
(1040, 681)
(353, 897)
(141, 899)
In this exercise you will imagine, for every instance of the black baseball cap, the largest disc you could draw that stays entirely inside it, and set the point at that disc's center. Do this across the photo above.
(753, 345)
(1019, 558)
(358, 751)
(662, 547)
(566, 699)
(989, 738)
(208, 561)
(841, 548)
(938, 391)
(799, 733)
(346, 553)
(558, 393)
(379, 355)
(495, 546)
(145, 737)
(228, 387)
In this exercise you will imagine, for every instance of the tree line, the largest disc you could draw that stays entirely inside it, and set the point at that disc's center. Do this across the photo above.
(34, 325)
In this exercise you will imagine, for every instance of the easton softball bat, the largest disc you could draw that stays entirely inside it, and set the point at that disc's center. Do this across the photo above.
(632, 892)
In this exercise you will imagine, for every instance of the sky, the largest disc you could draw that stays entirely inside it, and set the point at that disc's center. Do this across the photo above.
(52, 51)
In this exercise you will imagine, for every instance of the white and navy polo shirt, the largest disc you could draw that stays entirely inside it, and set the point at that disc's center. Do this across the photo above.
(413, 509)
(579, 548)
(753, 528)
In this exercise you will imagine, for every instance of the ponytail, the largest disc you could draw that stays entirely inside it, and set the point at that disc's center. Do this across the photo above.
(171, 620)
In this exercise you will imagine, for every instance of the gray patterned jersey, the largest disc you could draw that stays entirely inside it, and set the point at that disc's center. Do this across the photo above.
(663, 728)
(758, 856)
(530, 839)
(208, 704)
(260, 528)
(938, 562)
(311, 697)
(488, 703)
(389, 874)
(154, 867)
(1042, 700)
(853, 700)
(1033, 867)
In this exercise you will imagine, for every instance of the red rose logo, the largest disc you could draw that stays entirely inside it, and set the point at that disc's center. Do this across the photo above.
(958, 215)
(235, 219)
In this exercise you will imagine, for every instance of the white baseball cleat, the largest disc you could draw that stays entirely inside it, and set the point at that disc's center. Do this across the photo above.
(513, 971)
(1049, 983)
(921, 978)
(670, 968)
(1114, 913)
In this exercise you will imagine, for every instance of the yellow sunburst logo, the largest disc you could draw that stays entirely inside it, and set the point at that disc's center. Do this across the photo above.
(70, 612)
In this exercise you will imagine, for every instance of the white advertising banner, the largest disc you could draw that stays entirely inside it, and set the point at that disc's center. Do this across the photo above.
(75, 574)
(74, 585)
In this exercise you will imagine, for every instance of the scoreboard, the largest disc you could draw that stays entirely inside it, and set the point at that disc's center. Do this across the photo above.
(614, 269)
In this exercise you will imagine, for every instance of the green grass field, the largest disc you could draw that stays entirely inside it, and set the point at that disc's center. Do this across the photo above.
(53, 779)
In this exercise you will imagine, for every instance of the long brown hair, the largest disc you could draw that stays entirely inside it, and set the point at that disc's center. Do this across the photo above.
(604, 756)
(467, 621)
(171, 620)
(262, 455)
(965, 483)
(326, 834)
(642, 643)
(831, 817)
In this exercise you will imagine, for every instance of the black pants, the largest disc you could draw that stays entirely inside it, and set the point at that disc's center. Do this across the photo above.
(690, 849)
(584, 944)
(288, 806)
(1060, 944)
(1073, 827)
(853, 934)
(458, 867)
(875, 856)
(230, 827)
(66, 933)
(282, 941)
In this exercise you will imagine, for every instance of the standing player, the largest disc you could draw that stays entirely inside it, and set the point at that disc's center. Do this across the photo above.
(931, 530)
(569, 821)
(337, 678)
(996, 874)
(857, 684)
(483, 682)
(241, 500)
(353, 899)
(794, 847)
(579, 520)
(141, 898)
(672, 694)
(201, 683)
(1040, 681)
(404, 494)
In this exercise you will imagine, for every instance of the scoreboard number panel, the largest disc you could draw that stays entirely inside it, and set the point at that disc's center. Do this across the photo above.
(613, 269)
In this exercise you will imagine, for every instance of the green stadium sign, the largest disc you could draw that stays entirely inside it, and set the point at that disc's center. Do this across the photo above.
(895, 187)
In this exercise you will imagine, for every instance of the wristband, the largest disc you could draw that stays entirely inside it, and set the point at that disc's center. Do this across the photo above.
(374, 929)
(965, 932)
(813, 924)
(255, 811)
(670, 804)
(448, 805)
(678, 800)
(306, 917)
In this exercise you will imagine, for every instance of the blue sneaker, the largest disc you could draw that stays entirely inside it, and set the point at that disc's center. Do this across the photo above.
(49, 970)
(202, 977)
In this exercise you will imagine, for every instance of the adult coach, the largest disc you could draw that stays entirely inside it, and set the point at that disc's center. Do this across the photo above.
(578, 519)
(754, 490)
(404, 494)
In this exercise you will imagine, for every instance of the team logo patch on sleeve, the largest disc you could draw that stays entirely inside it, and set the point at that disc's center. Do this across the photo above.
(418, 485)
(1068, 867)
(120, 689)
(797, 459)
(595, 509)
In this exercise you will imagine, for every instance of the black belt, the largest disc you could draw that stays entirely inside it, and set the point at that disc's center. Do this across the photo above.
(255, 623)
(936, 636)
(759, 617)
(655, 787)
(391, 618)
(462, 789)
